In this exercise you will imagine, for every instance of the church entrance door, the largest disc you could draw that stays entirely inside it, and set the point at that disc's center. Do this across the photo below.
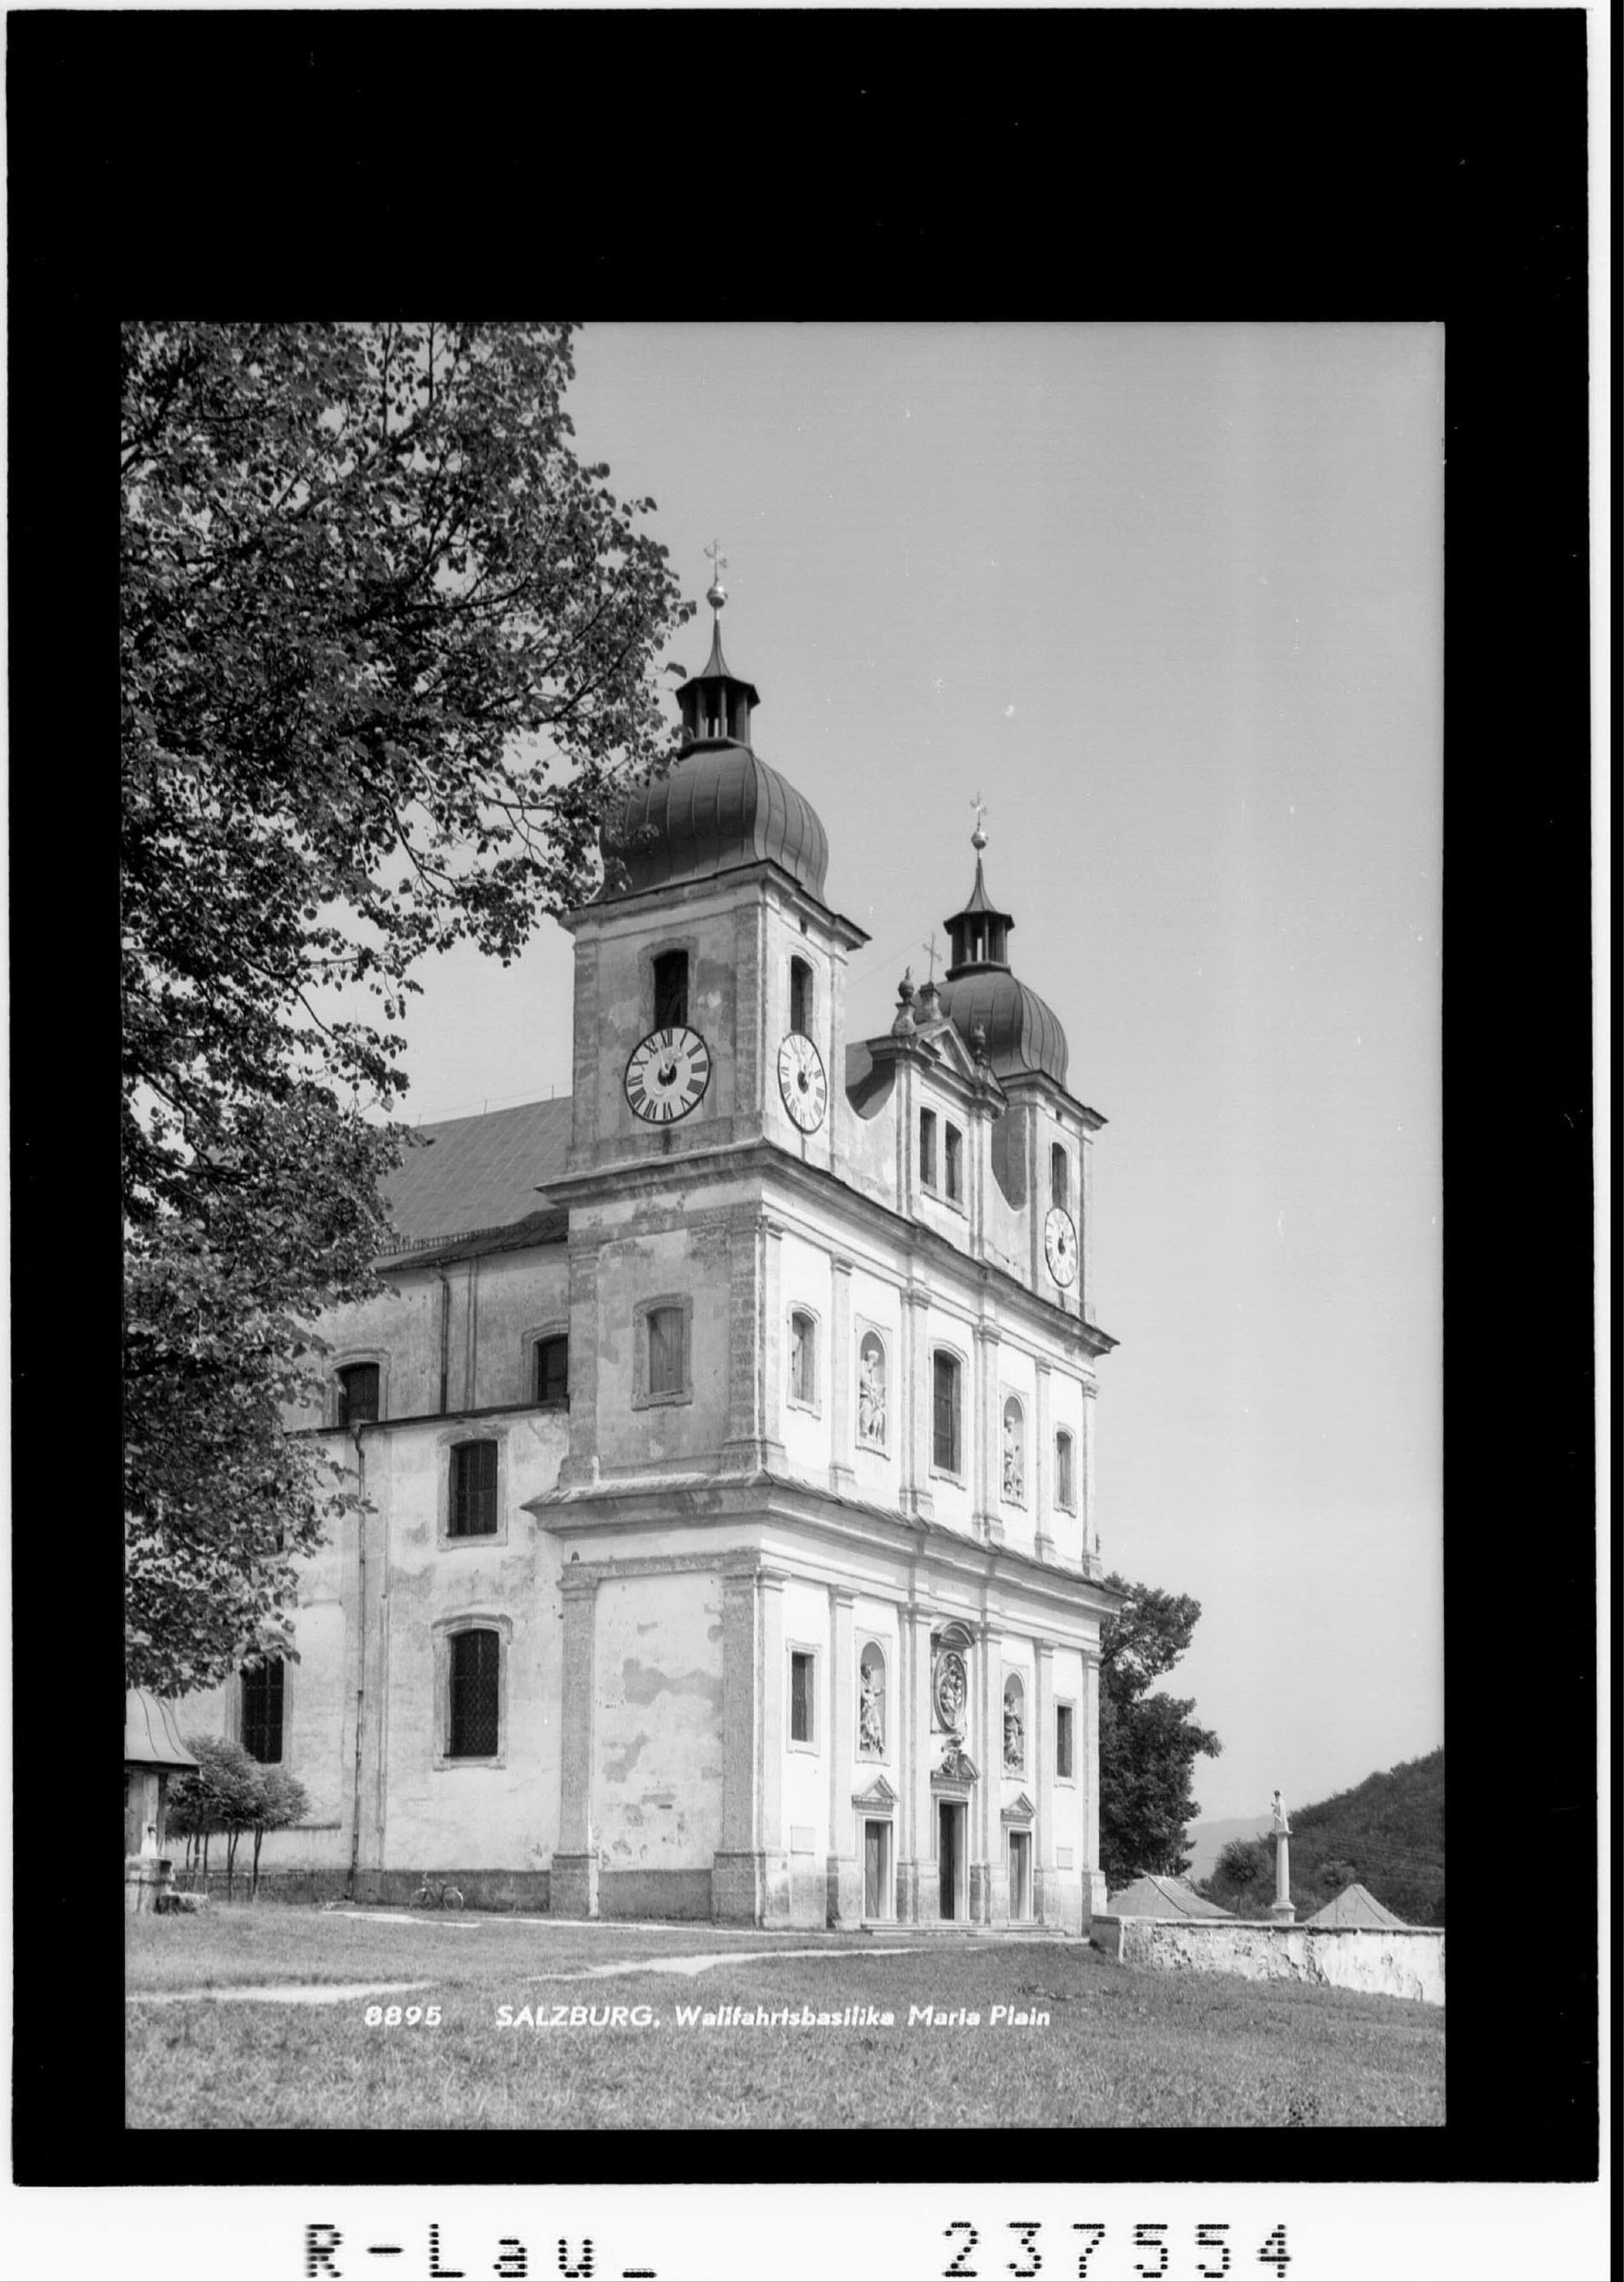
(1020, 1874)
(876, 1869)
(949, 1857)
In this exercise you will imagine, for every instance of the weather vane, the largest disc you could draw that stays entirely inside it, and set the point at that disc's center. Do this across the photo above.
(717, 560)
(978, 838)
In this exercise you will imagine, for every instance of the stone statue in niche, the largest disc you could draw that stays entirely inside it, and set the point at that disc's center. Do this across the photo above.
(952, 1689)
(1014, 1736)
(871, 1710)
(871, 1392)
(1014, 1471)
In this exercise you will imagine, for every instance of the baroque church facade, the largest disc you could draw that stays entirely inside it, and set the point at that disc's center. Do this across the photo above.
(725, 1434)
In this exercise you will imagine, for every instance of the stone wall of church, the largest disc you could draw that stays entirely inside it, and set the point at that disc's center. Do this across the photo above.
(657, 1742)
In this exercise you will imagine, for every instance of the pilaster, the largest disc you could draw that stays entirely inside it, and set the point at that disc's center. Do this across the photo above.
(916, 1364)
(916, 1895)
(773, 1689)
(737, 1883)
(1041, 1467)
(574, 1884)
(989, 1900)
(985, 1516)
(588, 1076)
(841, 1369)
(1040, 1759)
(750, 1446)
(579, 1468)
(1093, 1877)
(845, 1869)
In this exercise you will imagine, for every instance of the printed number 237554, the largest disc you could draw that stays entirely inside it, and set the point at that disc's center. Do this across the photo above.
(1213, 2256)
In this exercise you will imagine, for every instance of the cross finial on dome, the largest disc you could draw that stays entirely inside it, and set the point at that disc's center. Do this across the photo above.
(978, 838)
(717, 593)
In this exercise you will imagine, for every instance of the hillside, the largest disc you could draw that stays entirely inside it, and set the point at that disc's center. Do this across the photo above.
(1388, 1833)
(1205, 1840)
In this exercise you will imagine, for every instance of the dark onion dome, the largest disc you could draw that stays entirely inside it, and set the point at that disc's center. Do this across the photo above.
(978, 993)
(719, 805)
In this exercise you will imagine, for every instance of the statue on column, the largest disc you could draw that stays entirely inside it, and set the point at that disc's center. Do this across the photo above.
(1281, 1910)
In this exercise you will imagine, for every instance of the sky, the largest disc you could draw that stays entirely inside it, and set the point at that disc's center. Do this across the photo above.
(1169, 599)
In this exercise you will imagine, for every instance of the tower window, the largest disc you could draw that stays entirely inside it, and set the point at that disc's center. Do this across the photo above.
(800, 997)
(473, 1728)
(1060, 1177)
(553, 1373)
(803, 1358)
(953, 1163)
(262, 1712)
(928, 1147)
(802, 1665)
(1064, 1744)
(671, 990)
(357, 1401)
(1065, 1474)
(662, 1352)
(945, 1435)
(473, 1490)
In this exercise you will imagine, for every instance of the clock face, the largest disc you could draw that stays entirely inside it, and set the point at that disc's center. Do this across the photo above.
(1059, 1244)
(801, 1081)
(667, 1075)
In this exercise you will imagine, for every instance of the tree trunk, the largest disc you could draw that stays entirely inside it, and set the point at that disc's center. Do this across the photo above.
(254, 1891)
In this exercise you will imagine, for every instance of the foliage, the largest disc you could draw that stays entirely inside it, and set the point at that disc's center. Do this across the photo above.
(1386, 1835)
(282, 1800)
(1148, 1741)
(230, 1793)
(386, 651)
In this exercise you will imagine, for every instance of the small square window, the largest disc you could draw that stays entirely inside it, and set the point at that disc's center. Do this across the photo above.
(552, 1390)
(1064, 1731)
(953, 1154)
(802, 1667)
(473, 1490)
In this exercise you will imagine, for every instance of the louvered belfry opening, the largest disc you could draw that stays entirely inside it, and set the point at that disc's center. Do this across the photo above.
(475, 1665)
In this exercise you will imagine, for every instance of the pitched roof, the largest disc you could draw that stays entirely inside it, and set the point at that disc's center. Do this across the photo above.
(151, 1737)
(1355, 1905)
(1153, 1897)
(478, 1173)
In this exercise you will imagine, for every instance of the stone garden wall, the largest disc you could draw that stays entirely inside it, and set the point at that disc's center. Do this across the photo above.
(1386, 1961)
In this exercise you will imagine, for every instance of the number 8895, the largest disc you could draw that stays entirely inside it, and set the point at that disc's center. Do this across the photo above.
(395, 2016)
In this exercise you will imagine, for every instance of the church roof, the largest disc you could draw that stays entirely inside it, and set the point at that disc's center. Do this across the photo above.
(478, 1174)
(1153, 1897)
(718, 807)
(1022, 1032)
(1355, 1905)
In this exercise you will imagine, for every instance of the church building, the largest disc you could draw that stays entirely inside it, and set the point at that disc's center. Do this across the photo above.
(725, 1434)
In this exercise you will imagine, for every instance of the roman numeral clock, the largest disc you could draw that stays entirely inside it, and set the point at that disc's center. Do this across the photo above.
(668, 1074)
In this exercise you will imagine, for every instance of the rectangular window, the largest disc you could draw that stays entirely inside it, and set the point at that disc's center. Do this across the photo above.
(803, 1358)
(473, 1490)
(800, 997)
(954, 1154)
(262, 1712)
(671, 990)
(928, 1147)
(945, 1413)
(475, 1663)
(1063, 1744)
(1064, 1485)
(1060, 1177)
(800, 1697)
(553, 1373)
(667, 1373)
(357, 1395)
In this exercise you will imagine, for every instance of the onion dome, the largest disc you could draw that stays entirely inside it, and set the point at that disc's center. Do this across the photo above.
(1019, 1035)
(719, 805)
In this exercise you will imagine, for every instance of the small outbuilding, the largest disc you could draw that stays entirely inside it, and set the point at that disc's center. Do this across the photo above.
(1355, 1905)
(153, 1756)
(1153, 1897)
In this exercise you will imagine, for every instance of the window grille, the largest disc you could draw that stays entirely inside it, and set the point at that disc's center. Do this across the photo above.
(262, 1712)
(1063, 1741)
(800, 1697)
(954, 1154)
(928, 1147)
(358, 1394)
(671, 990)
(475, 1665)
(473, 1490)
(666, 1360)
(944, 1436)
(553, 1373)
(1064, 1485)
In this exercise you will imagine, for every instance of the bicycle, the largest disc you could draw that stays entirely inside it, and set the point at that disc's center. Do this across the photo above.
(436, 1894)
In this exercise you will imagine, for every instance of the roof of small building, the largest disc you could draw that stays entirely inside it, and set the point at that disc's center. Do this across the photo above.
(1153, 1897)
(151, 1737)
(1355, 1905)
(471, 1175)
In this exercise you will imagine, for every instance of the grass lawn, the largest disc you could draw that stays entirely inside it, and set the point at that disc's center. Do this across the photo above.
(1119, 2047)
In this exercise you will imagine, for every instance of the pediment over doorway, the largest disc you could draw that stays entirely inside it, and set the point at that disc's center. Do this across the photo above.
(878, 1796)
(1018, 1809)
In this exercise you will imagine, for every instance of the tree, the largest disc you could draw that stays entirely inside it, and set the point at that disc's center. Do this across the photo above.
(1148, 1742)
(220, 1795)
(386, 651)
(282, 1800)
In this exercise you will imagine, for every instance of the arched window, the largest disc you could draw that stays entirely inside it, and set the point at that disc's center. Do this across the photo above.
(800, 997)
(1065, 1473)
(473, 1720)
(671, 990)
(1015, 1450)
(946, 1434)
(262, 1697)
(871, 1391)
(1014, 1727)
(357, 1395)
(802, 1357)
(473, 1490)
(1060, 1177)
(870, 1702)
